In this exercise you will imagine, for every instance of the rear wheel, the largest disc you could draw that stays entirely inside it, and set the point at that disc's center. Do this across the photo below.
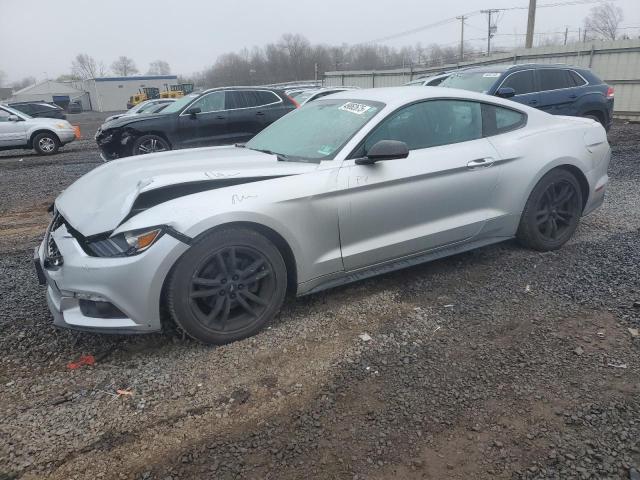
(227, 286)
(150, 144)
(552, 212)
(46, 143)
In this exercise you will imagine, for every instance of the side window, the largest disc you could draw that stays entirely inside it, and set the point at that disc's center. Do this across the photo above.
(498, 120)
(4, 115)
(553, 79)
(521, 82)
(577, 80)
(212, 102)
(236, 99)
(265, 98)
(430, 123)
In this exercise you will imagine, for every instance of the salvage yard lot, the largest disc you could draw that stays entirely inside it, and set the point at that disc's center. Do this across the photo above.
(498, 363)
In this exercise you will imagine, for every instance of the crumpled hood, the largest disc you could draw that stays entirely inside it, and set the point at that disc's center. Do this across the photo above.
(101, 199)
(124, 119)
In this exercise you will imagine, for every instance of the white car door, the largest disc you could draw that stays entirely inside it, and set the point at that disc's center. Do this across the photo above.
(11, 133)
(439, 195)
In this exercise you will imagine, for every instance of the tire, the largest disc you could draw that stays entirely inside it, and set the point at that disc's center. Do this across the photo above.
(227, 286)
(150, 144)
(552, 212)
(46, 143)
(594, 117)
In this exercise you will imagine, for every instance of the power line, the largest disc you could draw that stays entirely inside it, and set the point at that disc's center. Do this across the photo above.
(476, 12)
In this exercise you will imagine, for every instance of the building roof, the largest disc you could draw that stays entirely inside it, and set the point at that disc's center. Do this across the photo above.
(48, 86)
(136, 78)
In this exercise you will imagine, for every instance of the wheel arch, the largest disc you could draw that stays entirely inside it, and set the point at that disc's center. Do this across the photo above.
(135, 134)
(276, 238)
(569, 167)
(38, 132)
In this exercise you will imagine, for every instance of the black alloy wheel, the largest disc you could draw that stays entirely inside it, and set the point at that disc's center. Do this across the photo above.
(150, 144)
(227, 286)
(552, 212)
(557, 210)
(231, 288)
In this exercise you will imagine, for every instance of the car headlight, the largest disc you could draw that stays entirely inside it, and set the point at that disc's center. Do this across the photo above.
(125, 244)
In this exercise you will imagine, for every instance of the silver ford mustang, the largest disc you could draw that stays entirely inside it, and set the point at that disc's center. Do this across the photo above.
(349, 186)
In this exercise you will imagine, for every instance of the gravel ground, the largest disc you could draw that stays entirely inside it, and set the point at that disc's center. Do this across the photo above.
(498, 363)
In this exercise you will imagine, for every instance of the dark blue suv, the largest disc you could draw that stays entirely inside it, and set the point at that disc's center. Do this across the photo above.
(556, 89)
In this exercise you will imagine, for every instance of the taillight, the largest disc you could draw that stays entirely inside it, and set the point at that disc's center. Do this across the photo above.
(610, 92)
(293, 101)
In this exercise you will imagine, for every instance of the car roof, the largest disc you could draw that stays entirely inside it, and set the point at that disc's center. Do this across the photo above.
(249, 87)
(397, 96)
(501, 68)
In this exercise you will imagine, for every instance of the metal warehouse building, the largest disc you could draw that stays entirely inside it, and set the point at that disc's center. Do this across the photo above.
(104, 94)
(108, 94)
(50, 91)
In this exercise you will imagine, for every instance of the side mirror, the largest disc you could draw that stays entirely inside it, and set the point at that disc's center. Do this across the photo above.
(384, 150)
(14, 118)
(505, 92)
(193, 111)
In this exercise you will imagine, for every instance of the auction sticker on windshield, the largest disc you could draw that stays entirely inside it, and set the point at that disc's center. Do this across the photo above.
(357, 108)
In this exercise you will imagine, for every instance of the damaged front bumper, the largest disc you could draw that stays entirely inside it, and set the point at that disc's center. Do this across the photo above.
(106, 295)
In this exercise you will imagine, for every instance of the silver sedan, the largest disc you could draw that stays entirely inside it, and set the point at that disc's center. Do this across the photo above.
(353, 185)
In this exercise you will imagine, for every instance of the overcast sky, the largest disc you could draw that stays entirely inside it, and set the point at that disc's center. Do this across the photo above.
(41, 37)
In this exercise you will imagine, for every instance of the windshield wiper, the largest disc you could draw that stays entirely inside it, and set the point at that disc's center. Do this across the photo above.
(281, 156)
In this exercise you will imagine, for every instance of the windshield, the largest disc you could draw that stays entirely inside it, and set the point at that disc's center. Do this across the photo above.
(316, 131)
(475, 81)
(181, 103)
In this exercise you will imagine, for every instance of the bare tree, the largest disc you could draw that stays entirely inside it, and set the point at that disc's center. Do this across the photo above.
(159, 67)
(3, 77)
(102, 69)
(84, 66)
(124, 66)
(604, 20)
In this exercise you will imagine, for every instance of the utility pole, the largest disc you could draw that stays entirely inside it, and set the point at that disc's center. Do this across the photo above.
(566, 32)
(315, 70)
(531, 20)
(490, 29)
(462, 19)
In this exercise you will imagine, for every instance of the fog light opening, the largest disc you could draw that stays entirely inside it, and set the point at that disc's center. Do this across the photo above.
(99, 309)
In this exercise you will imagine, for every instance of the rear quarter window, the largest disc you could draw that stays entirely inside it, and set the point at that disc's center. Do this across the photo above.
(497, 120)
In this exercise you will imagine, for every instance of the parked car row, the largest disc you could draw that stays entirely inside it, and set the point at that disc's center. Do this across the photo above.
(557, 89)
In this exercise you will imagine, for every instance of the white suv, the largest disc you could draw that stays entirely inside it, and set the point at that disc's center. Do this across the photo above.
(44, 135)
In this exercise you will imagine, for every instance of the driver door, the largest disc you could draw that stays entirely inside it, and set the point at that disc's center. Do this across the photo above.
(207, 127)
(439, 195)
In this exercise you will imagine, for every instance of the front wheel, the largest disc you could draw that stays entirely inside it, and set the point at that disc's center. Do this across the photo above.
(150, 144)
(46, 143)
(552, 212)
(227, 286)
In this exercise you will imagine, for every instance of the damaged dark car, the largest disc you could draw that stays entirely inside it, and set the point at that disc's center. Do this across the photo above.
(221, 116)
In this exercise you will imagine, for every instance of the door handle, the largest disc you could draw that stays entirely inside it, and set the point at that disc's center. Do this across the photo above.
(573, 96)
(220, 117)
(533, 102)
(260, 114)
(480, 163)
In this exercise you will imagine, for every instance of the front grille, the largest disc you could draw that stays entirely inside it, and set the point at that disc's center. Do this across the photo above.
(53, 257)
